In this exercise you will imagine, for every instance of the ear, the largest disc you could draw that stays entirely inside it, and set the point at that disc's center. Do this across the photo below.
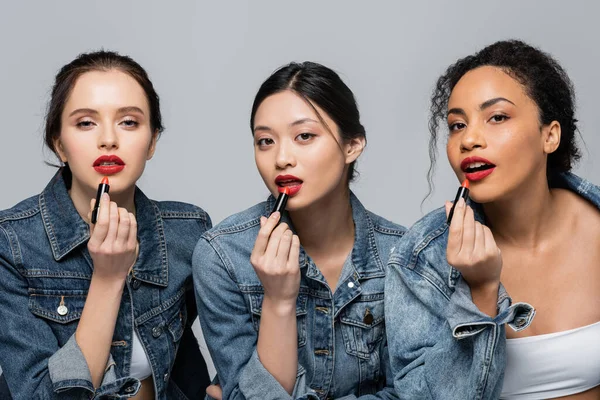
(354, 148)
(152, 146)
(551, 137)
(60, 151)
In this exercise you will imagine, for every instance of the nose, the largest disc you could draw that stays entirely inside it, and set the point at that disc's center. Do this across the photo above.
(472, 138)
(285, 155)
(108, 138)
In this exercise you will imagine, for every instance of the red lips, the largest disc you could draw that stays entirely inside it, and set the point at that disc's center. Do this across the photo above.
(291, 182)
(108, 165)
(474, 174)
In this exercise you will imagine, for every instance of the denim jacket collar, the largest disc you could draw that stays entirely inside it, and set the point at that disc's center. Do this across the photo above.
(365, 256)
(66, 230)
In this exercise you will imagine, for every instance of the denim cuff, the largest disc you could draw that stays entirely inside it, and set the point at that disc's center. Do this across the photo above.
(258, 383)
(68, 369)
(467, 320)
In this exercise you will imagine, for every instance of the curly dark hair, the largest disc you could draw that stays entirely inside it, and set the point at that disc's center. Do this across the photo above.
(545, 82)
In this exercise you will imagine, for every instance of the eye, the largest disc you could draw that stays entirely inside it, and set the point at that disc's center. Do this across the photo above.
(456, 126)
(303, 137)
(130, 123)
(264, 142)
(85, 124)
(497, 118)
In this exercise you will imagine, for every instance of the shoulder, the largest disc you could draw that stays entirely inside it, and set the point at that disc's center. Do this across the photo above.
(180, 210)
(243, 223)
(23, 210)
(384, 226)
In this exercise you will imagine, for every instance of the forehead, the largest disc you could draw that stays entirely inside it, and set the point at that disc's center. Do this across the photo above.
(484, 83)
(286, 107)
(106, 88)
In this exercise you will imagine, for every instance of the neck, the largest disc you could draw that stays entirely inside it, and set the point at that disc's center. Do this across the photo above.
(524, 218)
(82, 196)
(327, 224)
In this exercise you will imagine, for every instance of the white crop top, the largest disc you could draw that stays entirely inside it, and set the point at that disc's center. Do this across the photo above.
(552, 365)
(140, 366)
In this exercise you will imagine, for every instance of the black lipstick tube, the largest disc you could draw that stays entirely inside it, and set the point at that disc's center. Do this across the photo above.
(462, 192)
(281, 202)
(102, 188)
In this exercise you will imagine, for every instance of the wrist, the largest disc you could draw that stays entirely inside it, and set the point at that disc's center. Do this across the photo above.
(108, 284)
(281, 308)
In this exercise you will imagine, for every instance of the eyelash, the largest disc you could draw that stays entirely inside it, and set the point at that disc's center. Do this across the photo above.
(310, 136)
(504, 118)
(455, 126)
(129, 123)
(261, 142)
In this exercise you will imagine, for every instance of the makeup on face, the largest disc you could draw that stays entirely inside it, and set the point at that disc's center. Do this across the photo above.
(108, 165)
(284, 195)
(103, 187)
(289, 182)
(476, 168)
(463, 191)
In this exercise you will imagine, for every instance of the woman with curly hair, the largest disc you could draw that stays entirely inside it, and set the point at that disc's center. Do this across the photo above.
(530, 223)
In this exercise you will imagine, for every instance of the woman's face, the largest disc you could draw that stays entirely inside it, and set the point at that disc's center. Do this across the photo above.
(105, 131)
(293, 148)
(495, 136)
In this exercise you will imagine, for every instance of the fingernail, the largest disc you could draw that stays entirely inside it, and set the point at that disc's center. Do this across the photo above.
(461, 202)
(104, 196)
(276, 215)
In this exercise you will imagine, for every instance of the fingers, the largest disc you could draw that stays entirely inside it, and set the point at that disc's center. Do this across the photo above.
(123, 226)
(132, 239)
(448, 206)
(113, 224)
(276, 236)
(468, 238)
(294, 252)
(455, 232)
(262, 240)
(283, 250)
(101, 227)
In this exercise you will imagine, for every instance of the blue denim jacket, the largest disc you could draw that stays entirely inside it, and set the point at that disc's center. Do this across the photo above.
(441, 346)
(44, 263)
(342, 348)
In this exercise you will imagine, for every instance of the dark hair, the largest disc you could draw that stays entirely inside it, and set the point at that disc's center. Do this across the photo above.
(321, 86)
(544, 80)
(96, 61)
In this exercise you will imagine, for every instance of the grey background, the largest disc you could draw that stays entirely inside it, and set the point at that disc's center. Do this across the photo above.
(208, 58)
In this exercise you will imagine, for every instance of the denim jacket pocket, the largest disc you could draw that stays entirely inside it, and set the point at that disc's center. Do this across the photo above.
(60, 306)
(256, 299)
(177, 323)
(362, 325)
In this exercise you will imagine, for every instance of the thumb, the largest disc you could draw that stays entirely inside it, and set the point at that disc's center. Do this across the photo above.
(263, 219)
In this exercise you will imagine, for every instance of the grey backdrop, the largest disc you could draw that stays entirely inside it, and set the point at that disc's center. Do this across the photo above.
(208, 58)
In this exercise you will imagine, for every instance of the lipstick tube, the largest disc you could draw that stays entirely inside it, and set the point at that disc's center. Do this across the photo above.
(103, 187)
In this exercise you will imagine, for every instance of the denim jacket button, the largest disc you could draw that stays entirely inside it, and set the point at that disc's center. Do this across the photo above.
(166, 377)
(130, 389)
(368, 318)
(350, 285)
(136, 283)
(157, 331)
(62, 310)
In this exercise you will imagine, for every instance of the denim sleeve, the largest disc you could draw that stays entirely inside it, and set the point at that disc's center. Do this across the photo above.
(33, 363)
(230, 335)
(428, 361)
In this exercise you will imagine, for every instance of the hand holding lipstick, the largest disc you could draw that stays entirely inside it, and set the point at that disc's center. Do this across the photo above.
(113, 240)
(275, 260)
(473, 251)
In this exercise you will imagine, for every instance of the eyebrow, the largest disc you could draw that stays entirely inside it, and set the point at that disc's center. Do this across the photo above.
(295, 123)
(482, 106)
(122, 110)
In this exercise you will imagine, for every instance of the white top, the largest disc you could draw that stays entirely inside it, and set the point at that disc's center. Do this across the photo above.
(140, 365)
(552, 365)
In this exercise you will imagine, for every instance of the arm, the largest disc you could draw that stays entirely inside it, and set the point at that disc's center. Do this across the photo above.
(229, 331)
(428, 362)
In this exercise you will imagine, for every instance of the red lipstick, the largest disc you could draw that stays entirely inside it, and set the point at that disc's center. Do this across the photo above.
(463, 191)
(484, 168)
(103, 187)
(284, 195)
(108, 164)
(294, 184)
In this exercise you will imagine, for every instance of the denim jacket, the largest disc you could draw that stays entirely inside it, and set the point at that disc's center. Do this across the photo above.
(441, 346)
(342, 348)
(45, 264)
